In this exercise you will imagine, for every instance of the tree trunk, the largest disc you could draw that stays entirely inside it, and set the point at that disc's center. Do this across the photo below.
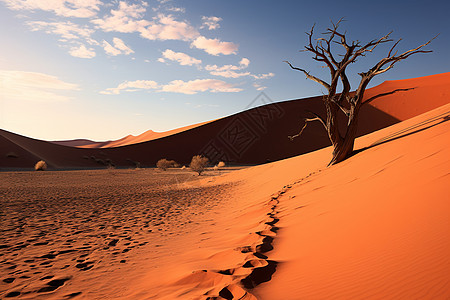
(344, 148)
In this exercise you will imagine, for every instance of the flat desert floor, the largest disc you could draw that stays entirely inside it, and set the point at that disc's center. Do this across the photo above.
(67, 234)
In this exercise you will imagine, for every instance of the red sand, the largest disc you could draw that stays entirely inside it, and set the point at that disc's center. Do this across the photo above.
(372, 227)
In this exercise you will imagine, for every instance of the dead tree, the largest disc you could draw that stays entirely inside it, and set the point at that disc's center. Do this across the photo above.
(346, 102)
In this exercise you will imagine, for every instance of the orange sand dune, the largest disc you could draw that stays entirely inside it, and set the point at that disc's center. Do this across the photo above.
(255, 136)
(373, 227)
(426, 93)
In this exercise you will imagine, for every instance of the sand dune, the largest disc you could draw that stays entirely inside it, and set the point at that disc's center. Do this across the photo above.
(128, 140)
(237, 139)
(372, 227)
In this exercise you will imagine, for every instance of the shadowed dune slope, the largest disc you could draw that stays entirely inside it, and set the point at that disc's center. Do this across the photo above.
(255, 136)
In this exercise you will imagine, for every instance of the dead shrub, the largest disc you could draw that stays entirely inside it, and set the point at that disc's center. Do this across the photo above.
(198, 164)
(40, 166)
(164, 164)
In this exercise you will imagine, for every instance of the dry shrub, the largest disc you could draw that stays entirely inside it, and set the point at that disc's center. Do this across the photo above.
(199, 164)
(221, 164)
(40, 166)
(164, 164)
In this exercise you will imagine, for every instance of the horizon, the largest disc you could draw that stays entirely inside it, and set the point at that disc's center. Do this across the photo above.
(102, 71)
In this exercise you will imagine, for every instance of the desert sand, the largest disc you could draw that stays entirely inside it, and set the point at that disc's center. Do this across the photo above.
(372, 227)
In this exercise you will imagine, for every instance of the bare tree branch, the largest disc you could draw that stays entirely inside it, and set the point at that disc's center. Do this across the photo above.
(311, 77)
(385, 94)
(307, 120)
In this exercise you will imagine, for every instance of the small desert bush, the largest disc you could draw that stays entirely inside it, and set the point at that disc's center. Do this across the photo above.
(199, 164)
(40, 166)
(221, 164)
(164, 164)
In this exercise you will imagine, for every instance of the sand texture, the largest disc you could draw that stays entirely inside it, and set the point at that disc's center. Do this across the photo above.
(83, 233)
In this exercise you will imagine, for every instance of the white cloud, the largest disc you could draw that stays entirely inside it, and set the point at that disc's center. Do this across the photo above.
(131, 86)
(230, 71)
(259, 87)
(211, 22)
(263, 76)
(214, 46)
(65, 8)
(66, 30)
(176, 9)
(244, 62)
(118, 48)
(165, 27)
(110, 50)
(82, 52)
(199, 85)
(180, 57)
(175, 86)
(32, 86)
(127, 18)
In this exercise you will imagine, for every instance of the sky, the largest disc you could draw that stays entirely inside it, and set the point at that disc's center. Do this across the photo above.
(102, 70)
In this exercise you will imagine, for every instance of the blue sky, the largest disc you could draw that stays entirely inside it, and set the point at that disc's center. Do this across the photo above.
(105, 69)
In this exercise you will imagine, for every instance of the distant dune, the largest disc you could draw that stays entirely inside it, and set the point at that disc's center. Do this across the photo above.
(128, 140)
(255, 136)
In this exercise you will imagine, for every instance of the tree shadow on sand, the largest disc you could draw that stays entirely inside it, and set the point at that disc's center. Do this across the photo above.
(429, 123)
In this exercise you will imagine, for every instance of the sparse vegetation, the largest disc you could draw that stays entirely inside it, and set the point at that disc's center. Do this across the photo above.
(164, 164)
(198, 164)
(40, 166)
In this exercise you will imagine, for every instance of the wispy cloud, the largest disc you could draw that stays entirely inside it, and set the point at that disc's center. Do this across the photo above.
(176, 86)
(214, 46)
(211, 23)
(82, 52)
(131, 86)
(118, 48)
(230, 71)
(66, 30)
(199, 85)
(259, 87)
(32, 86)
(126, 18)
(65, 8)
(263, 76)
(129, 18)
(180, 57)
